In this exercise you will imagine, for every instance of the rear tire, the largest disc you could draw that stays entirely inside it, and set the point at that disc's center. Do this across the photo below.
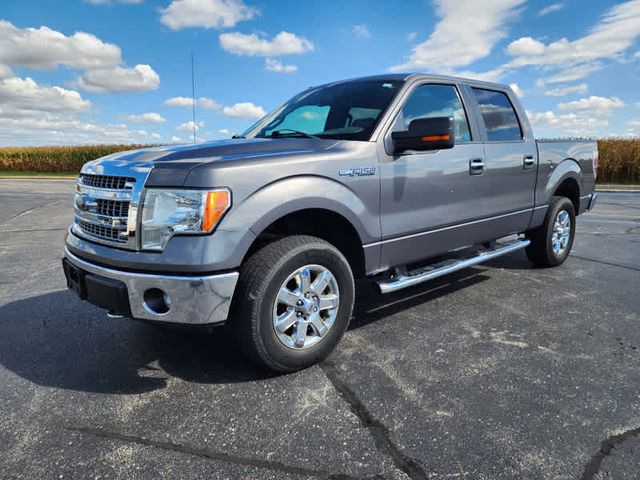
(293, 303)
(551, 243)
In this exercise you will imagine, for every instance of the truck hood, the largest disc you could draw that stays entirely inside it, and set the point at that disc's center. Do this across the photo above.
(170, 165)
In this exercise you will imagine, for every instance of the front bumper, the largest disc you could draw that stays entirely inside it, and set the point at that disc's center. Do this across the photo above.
(165, 298)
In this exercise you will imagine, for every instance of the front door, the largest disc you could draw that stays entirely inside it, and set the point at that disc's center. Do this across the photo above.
(430, 200)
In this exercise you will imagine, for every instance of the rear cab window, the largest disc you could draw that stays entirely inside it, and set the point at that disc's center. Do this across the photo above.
(500, 118)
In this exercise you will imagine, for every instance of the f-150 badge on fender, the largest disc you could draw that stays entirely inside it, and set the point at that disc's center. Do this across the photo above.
(360, 172)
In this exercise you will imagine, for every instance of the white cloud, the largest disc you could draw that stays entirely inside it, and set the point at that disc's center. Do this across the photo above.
(107, 2)
(467, 32)
(526, 46)
(567, 124)
(208, 103)
(23, 97)
(150, 117)
(224, 131)
(516, 89)
(574, 60)
(574, 73)
(411, 36)
(562, 91)
(140, 78)
(361, 31)
(179, 102)
(44, 49)
(634, 123)
(284, 43)
(593, 105)
(68, 131)
(275, 65)
(203, 102)
(188, 126)
(615, 32)
(206, 13)
(245, 110)
(489, 76)
(5, 71)
(554, 7)
(586, 117)
(176, 139)
(33, 114)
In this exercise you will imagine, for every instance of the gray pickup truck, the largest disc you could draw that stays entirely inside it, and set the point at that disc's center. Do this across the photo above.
(397, 179)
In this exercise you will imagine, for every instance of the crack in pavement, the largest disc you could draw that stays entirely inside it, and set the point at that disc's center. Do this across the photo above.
(603, 262)
(35, 230)
(376, 428)
(28, 210)
(219, 456)
(607, 445)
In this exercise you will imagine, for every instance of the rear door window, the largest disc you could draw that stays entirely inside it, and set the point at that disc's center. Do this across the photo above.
(500, 119)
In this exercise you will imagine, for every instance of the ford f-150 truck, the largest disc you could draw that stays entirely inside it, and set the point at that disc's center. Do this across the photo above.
(396, 178)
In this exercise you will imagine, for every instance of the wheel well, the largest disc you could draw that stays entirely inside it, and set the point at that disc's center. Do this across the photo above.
(569, 188)
(325, 224)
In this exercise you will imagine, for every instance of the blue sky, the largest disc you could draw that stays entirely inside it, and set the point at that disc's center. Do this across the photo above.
(112, 71)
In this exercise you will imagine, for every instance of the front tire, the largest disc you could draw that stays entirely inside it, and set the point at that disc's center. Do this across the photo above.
(293, 303)
(551, 243)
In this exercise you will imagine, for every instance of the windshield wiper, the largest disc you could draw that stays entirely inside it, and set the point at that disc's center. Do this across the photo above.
(285, 132)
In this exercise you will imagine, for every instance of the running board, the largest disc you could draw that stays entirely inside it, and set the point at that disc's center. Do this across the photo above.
(423, 274)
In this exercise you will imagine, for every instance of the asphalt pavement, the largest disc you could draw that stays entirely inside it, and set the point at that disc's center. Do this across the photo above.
(499, 371)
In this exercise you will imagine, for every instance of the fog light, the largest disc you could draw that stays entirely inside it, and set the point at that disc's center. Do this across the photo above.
(156, 301)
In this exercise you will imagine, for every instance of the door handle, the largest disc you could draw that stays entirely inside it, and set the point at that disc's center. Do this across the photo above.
(476, 166)
(529, 162)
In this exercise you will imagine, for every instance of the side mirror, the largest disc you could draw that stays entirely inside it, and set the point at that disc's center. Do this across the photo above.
(425, 134)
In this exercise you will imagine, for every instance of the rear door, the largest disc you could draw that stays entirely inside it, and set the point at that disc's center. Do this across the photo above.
(510, 159)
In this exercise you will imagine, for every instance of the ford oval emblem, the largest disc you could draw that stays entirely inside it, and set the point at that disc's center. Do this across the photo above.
(84, 202)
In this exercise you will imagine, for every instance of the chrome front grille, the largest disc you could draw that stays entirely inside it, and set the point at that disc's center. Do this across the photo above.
(112, 182)
(106, 207)
(111, 234)
(112, 208)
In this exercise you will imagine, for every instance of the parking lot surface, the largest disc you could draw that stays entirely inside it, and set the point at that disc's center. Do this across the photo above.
(499, 371)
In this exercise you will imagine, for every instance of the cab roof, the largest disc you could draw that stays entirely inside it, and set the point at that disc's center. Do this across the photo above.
(403, 77)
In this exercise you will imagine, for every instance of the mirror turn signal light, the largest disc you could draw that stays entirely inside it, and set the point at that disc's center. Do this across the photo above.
(436, 138)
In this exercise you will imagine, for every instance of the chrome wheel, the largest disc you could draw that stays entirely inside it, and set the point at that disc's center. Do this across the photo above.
(561, 232)
(306, 307)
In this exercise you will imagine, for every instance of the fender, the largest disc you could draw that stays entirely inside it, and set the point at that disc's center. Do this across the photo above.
(568, 168)
(301, 192)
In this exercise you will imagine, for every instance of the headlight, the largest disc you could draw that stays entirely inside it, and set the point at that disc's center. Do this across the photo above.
(169, 212)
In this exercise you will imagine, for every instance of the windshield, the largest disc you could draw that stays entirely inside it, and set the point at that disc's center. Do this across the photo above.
(342, 111)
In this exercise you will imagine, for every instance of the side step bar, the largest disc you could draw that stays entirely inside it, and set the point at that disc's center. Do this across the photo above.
(415, 277)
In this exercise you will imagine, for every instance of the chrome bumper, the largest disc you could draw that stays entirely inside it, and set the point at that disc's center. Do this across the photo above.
(592, 201)
(190, 299)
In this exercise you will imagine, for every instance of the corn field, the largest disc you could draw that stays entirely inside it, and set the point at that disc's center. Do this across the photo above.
(54, 159)
(619, 159)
